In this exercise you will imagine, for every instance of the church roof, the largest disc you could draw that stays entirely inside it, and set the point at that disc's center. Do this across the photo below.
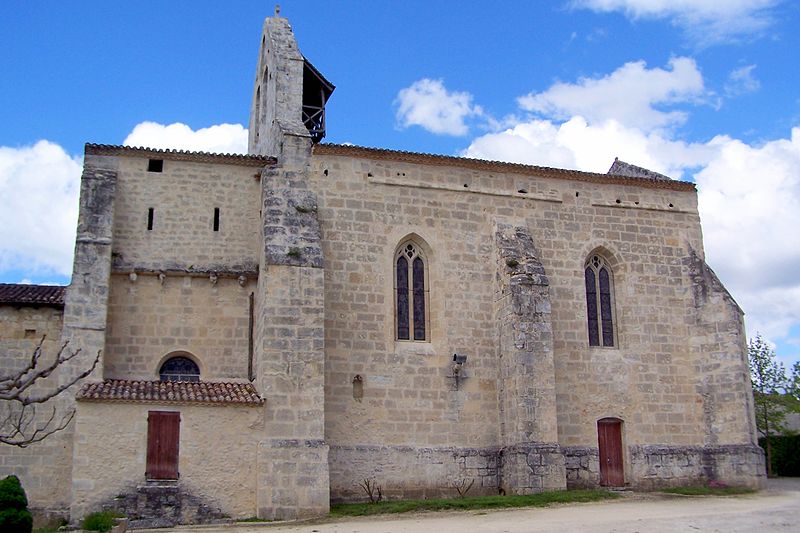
(203, 392)
(15, 293)
(621, 168)
(650, 181)
(179, 155)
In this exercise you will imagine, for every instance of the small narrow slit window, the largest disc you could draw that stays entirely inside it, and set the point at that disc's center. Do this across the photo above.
(216, 219)
(151, 212)
(155, 165)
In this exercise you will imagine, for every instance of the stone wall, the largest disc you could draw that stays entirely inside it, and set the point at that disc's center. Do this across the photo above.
(39, 467)
(412, 471)
(289, 350)
(653, 467)
(582, 465)
(183, 198)
(217, 457)
(369, 204)
(721, 369)
(150, 318)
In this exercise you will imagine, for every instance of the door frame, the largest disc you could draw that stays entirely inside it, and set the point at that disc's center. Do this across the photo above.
(612, 426)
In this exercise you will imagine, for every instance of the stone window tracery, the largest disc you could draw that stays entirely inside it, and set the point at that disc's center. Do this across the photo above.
(179, 368)
(599, 302)
(411, 293)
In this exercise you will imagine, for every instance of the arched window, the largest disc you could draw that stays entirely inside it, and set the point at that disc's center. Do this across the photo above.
(599, 302)
(179, 368)
(411, 288)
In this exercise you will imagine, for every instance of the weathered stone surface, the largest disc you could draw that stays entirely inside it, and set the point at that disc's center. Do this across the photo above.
(412, 472)
(527, 379)
(163, 504)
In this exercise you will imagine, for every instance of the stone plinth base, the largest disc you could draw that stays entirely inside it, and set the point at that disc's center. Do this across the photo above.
(582, 464)
(652, 467)
(532, 467)
(292, 479)
(406, 472)
(163, 504)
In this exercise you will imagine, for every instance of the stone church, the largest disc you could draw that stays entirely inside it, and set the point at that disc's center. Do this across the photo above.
(278, 327)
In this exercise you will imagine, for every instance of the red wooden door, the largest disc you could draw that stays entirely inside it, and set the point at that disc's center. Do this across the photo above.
(163, 437)
(609, 440)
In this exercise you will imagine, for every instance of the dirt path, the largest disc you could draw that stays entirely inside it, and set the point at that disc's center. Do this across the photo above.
(777, 509)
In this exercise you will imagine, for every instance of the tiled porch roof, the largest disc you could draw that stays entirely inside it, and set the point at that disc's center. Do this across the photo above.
(205, 392)
(18, 293)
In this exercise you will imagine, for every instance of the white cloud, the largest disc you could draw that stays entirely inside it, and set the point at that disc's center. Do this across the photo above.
(705, 21)
(749, 195)
(220, 138)
(741, 81)
(749, 199)
(628, 95)
(428, 104)
(577, 144)
(39, 186)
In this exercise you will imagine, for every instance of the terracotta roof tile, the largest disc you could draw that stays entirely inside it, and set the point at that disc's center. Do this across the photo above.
(179, 155)
(206, 392)
(15, 293)
(499, 166)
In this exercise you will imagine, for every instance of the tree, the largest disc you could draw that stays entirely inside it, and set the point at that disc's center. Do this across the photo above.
(20, 425)
(773, 392)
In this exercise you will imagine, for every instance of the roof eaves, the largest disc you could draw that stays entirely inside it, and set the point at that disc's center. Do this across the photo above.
(179, 155)
(319, 74)
(34, 295)
(498, 166)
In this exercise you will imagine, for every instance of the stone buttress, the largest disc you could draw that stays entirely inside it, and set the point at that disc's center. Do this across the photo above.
(86, 305)
(531, 459)
(293, 475)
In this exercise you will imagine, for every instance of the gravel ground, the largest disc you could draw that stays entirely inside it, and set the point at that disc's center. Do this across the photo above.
(776, 509)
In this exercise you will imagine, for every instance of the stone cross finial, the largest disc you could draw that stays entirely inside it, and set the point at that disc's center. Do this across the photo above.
(277, 10)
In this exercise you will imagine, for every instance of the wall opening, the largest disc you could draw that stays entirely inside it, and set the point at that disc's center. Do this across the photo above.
(155, 165)
(163, 438)
(216, 219)
(609, 442)
(150, 217)
(179, 368)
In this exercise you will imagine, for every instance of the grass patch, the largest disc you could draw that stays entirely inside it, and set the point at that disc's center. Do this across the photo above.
(540, 499)
(708, 491)
(100, 521)
(254, 519)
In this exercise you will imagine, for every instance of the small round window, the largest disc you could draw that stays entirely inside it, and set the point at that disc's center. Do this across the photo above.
(179, 369)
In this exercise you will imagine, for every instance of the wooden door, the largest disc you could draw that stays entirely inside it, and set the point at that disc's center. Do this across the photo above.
(163, 438)
(609, 440)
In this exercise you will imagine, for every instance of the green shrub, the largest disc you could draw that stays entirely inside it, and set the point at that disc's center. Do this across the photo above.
(100, 521)
(785, 454)
(14, 514)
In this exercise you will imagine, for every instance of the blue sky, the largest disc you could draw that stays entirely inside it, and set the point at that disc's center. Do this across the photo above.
(701, 90)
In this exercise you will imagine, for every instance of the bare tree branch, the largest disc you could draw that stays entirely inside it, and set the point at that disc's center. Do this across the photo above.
(18, 422)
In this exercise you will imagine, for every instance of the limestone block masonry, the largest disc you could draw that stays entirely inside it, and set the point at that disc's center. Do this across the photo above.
(279, 280)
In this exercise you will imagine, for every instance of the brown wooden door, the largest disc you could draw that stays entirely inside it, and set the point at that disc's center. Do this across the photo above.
(163, 437)
(609, 440)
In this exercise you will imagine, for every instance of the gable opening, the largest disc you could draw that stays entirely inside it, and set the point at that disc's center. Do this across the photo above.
(155, 165)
